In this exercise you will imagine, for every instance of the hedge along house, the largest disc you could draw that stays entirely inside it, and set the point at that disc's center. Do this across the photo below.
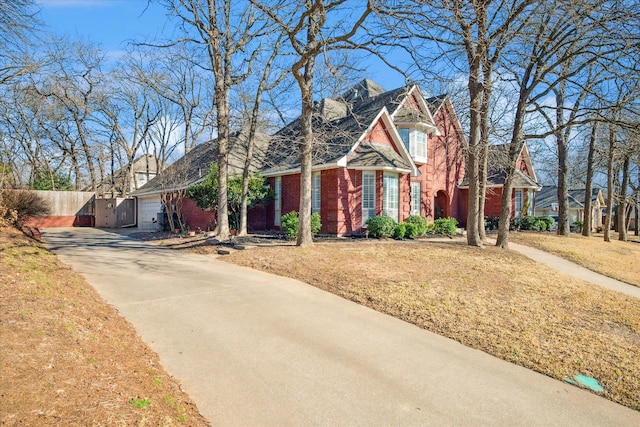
(376, 152)
(525, 183)
(171, 184)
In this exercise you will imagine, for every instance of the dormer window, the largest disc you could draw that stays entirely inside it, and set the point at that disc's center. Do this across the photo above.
(416, 142)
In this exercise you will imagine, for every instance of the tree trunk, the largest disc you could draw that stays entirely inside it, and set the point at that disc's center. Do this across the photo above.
(305, 237)
(607, 220)
(563, 168)
(473, 211)
(588, 219)
(622, 199)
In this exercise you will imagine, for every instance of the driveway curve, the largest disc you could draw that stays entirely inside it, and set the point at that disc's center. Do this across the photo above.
(256, 349)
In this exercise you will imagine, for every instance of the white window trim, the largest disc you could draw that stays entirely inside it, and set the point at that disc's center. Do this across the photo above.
(416, 198)
(391, 196)
(417, 149)
(278, 201)
(315, 192)
(518, 206)
(368, 211)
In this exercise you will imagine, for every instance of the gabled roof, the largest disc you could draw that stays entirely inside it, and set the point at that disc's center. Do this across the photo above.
(338, 126)
(497, 158)
(193, 166)
(549, 195)
(119, 184)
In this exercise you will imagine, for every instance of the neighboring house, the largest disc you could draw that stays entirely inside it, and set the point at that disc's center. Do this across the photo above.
(124, 181)
(525, 186)
(547, 204)
(376, 152)
(185, 172)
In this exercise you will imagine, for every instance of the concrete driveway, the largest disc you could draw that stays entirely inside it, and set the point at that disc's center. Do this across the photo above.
(256, 349)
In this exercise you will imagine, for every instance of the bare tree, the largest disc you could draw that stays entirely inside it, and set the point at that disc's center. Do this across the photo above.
(70, 84)
(18, 23)
(228, 33)
(565, 41)
(312, 27)
(472, 36)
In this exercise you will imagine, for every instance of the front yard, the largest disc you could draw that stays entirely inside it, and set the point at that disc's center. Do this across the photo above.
(494, 300)
(616, 259)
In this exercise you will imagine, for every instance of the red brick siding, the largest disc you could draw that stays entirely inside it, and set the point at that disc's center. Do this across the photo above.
(445, 167)
(380, 135)
(197, 218)
(62, 221)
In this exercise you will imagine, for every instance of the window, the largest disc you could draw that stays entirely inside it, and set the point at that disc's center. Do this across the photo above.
(415, 140)
(530, 198)
(415, 198)
(368, 196)
(518, 206)
(278, 201)
(404, 134)
(391, 202)
(315, 192)
(418, 145)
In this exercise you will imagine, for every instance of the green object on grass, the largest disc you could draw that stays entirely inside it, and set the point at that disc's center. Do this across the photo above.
(585, 381)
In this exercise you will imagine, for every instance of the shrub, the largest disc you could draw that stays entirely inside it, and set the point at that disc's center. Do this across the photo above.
(530, 223)
(420, 223)
(491, 222)
(548, 221)
(17, 205)
(399, 230)
(381, 226)
(291, 221)
(578, 225)
(411, 230)
(446, 226)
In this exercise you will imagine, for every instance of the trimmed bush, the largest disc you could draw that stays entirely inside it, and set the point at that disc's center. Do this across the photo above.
(446, 226)
(548, 221)
(381, 226)
(291, 221)
(399, 230)
(412, 230)
(420, 223)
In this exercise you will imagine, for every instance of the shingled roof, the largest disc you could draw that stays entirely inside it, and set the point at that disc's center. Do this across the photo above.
(337, 129)
(497, 159)
(193, 166)
(549, 195)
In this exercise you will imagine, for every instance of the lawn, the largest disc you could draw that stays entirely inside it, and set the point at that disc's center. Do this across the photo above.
(494, 300)
(68, 358)
(616, 259)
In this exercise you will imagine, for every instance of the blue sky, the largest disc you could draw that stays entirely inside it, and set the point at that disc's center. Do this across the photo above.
(113, 23)
(110, 23)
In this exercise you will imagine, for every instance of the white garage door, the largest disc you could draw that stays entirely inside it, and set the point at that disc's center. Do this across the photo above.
(148, 209)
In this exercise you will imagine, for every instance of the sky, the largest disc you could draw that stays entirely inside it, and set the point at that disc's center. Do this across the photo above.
(112, 24)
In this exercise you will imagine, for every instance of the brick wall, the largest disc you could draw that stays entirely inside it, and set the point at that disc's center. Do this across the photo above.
(196, 217)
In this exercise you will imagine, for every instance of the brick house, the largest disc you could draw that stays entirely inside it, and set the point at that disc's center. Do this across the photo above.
(524, 189)
(376, 152)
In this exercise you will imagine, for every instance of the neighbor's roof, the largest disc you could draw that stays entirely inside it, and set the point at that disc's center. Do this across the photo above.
(193, 166)
(549, 195)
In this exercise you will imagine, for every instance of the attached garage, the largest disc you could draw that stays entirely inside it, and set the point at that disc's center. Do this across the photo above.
(149, 207)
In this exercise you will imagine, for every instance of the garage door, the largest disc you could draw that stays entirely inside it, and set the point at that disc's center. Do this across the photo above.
(148, 209)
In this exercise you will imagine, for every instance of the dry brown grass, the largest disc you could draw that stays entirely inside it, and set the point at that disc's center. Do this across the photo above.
(493, 300)
(616, 259)
(67, 357)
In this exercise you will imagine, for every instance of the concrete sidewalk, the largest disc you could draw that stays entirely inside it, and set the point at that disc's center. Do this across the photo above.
(255, 349)
(572, 269)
